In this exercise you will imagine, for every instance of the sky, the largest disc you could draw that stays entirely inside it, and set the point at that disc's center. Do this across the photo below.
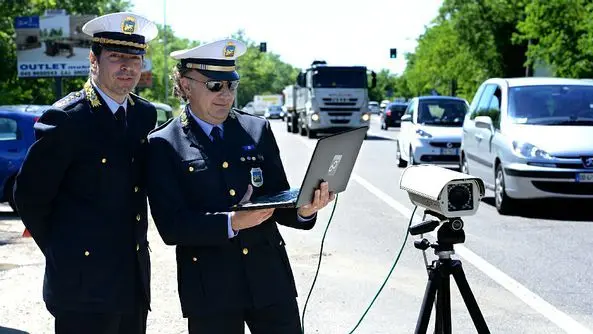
(340, 32)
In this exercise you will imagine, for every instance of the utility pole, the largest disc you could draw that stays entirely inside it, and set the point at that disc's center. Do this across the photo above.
(165, 78)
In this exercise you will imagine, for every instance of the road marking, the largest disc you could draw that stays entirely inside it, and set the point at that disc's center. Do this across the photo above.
(375, 134)
(561, 319)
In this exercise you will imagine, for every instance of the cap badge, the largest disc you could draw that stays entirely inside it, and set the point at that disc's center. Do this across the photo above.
(128, 25)
(229, 50)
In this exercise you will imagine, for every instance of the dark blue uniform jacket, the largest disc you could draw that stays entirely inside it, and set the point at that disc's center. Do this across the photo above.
(81, 193)
(191, 186)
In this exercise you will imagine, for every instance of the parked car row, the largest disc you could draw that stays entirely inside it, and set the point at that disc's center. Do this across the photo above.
(526, 138)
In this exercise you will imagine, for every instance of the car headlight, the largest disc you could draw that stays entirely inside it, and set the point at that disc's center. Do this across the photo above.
(365, 117)
(315, 117)
(528, 150)
(423, 133)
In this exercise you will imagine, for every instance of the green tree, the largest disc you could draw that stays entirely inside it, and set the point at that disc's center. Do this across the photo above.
(486, 28)
(440, 58)
(386, 82)
(261, 73)
(158, 55)
(561, 36)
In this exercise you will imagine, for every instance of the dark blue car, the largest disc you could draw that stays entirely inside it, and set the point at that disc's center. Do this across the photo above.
(16, 136)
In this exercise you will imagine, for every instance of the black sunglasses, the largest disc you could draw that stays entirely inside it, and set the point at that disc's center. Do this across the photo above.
(217, 85)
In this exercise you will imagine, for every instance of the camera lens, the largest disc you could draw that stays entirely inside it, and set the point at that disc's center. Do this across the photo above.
(460, 197)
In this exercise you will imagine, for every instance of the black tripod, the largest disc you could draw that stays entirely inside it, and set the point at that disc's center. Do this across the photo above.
(438, 285)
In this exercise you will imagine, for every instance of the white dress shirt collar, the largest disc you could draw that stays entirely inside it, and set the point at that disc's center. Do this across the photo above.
(207, 127)
(111, 103)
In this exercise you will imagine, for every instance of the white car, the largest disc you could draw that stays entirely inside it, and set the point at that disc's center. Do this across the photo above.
(430, 131)
(374, 107)
(530, 138)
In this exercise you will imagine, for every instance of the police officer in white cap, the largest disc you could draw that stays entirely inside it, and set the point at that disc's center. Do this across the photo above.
(81, 190)
(232, 266)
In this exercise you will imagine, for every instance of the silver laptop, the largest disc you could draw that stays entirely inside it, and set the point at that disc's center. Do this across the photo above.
(332, 161)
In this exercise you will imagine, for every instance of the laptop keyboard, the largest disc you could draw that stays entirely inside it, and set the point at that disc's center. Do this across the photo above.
(285, 196)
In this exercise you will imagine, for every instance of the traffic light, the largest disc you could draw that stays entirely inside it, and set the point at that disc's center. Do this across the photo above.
(262, 47)
(393, 53)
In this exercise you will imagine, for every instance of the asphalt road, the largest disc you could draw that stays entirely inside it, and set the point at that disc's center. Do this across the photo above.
(529, 273)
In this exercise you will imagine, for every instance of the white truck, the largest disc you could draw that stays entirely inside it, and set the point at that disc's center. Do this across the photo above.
(262, 102)
(328, 99)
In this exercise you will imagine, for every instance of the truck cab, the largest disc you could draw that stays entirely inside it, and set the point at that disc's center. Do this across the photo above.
(328, 99)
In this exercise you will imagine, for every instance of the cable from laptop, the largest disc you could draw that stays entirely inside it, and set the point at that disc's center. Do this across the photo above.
(382, 285)
(318, 262)
(389, 274)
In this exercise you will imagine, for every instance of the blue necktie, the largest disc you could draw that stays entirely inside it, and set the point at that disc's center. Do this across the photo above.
(120, 118)
(216, 137)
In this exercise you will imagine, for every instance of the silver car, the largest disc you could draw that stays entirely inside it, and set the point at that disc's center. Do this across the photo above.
(531, 138)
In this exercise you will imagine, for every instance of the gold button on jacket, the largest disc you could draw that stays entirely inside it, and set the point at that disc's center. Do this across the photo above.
(245, 251)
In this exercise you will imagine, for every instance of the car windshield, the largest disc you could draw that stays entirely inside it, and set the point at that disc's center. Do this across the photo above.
(442, 112)
(551, 105)
(340, 78)
(275, 108)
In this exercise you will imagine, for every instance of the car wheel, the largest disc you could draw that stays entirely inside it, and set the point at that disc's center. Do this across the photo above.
(398, 154)
(504, 204)
(464, 166)
(411, 157)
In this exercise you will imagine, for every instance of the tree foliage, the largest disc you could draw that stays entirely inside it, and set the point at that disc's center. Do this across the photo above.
(468, 42)
(561, 35)
(472, 40)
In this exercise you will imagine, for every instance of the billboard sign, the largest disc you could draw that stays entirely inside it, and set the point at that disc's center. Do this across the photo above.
(52, 45)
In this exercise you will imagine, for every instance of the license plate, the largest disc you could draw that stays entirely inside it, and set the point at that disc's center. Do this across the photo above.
(585, 177)
(448, 151)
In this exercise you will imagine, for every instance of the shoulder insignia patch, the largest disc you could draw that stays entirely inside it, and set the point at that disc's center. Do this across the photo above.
(69, 99)
(183, 118)
(91, 95)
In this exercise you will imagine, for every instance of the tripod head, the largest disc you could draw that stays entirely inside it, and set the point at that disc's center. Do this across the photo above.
(450, 233)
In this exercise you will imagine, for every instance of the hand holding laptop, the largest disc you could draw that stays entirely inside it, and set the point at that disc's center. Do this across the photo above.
(321, 199)
(241, 220)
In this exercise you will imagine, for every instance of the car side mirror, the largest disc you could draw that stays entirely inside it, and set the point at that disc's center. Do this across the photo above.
(483, 122)
(406, 118)
(373, 79)
(301, 79)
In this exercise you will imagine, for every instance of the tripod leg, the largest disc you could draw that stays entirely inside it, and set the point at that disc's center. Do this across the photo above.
(468, 298)
(443, 313)
(434, 279)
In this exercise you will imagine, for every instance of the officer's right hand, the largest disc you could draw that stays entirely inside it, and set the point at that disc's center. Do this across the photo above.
(241, 220)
